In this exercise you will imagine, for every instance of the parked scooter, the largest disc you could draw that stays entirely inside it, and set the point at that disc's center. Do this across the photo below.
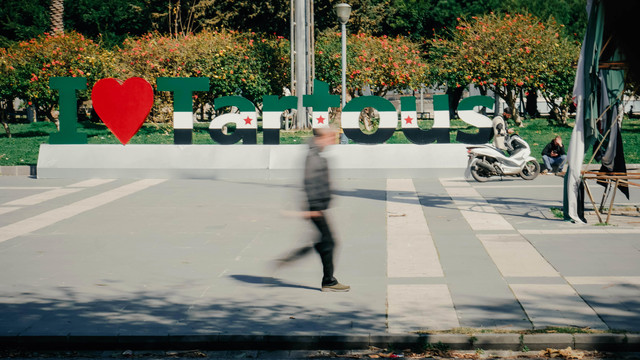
(486, 160)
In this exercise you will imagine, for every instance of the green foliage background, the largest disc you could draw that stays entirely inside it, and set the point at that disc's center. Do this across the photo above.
(110, 22)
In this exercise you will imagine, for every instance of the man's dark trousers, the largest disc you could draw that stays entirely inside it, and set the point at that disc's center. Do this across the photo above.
(325, 248)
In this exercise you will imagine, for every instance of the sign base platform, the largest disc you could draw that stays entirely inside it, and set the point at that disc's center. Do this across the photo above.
(247, 161)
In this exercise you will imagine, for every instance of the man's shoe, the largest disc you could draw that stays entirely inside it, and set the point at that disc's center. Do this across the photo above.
(336, 288)
(543, 172)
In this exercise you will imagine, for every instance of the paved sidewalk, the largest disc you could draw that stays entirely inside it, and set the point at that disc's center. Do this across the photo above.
(194, 257)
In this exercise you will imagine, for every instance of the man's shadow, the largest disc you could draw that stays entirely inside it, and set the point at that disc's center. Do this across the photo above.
(270, 281)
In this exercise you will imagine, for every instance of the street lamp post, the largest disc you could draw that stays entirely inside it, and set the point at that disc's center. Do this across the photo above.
(343, 11)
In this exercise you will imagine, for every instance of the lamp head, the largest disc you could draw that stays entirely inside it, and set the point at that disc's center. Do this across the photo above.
(343, 11)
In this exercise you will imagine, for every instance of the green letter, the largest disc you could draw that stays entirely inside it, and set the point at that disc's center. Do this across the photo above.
(386, 126)
(68, 117)
(246, 121)
(320, 102)
(272, 108)
(183, 89)
(482, 122)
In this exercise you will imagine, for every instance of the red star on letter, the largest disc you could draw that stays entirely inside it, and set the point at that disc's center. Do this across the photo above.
(247, 121)
(320, 120)
(408, 119)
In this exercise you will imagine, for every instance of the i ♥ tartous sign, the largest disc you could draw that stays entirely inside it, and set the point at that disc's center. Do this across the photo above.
(123, 106)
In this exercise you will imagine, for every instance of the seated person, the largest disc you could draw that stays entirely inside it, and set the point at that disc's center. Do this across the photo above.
(553, 155)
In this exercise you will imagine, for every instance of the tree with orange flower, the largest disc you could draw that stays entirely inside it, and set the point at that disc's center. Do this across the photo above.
(28, 66)
(506, 54)
(381, 63)
(236, 63)
(378, 63)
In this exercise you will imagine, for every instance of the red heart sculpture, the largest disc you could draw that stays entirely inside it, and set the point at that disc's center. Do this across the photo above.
(123, 106)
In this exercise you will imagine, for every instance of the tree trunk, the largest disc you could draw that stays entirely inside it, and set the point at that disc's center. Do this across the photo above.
(483, 92)
(559, 115)
(554, 116)
(564, 116)
(57, 16)
(367, 115)
(3, 119)
(50, 117)
(6, 128)
(515, 114)
(455, 94)
(532, 103)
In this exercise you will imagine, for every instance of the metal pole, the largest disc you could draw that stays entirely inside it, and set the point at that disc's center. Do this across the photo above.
(343, 137)
(344, 64)
(292, 47)
(301, 63)
(422, 100)
(309, 44)
(312, 39)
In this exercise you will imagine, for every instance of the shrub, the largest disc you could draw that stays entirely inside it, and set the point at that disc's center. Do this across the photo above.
(235, 63)
(27, 67)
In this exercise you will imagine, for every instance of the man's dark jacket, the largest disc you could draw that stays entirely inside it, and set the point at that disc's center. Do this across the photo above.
(552, 146)
(316, 179)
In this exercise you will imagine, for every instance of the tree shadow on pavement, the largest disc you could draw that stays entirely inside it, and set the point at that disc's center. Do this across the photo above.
(142, 313)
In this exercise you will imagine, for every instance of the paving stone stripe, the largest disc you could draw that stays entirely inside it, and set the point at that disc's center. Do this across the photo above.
(454, 182)
(53, 216)
(557, 280)
(6, 210)
(515, 256)
(412, 255)
(91, 183)
(53, 192)
(476, 210)
(42, 197)
(28, 187)
(410, 248)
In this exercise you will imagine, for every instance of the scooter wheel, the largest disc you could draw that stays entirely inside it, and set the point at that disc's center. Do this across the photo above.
(530, 170)
(479, 174)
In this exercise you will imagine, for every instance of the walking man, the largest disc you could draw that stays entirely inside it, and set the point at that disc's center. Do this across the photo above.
(318, 193)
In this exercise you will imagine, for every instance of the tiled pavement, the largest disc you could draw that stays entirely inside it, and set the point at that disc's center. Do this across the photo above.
(183, 257)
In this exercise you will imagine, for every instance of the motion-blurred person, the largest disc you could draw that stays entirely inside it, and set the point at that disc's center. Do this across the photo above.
(318, 194)
(500, 129)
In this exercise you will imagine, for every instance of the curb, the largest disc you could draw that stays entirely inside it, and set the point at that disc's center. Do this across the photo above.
(23, 170)
(514, 342)
(31, 170)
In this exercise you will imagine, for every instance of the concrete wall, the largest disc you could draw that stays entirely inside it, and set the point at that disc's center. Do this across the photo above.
(246, 161)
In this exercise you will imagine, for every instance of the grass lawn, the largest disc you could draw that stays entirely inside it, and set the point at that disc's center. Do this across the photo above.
(22, 148)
